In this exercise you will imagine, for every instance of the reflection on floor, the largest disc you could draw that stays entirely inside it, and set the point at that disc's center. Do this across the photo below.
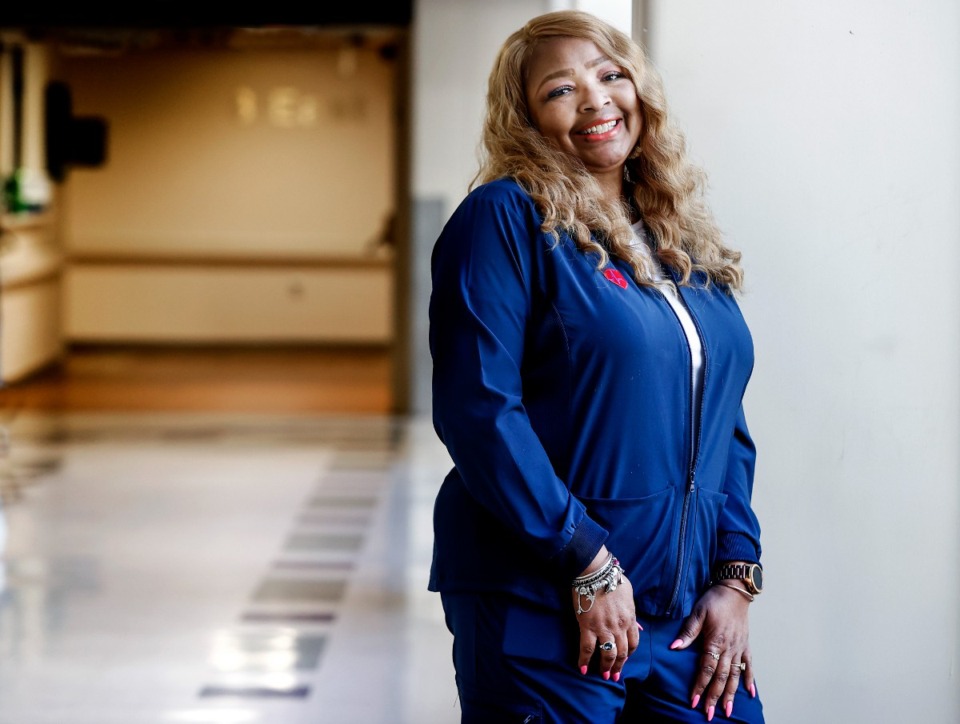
(220, 568)
(245, 379)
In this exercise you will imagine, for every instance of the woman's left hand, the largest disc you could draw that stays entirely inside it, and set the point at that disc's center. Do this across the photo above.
(720, 619)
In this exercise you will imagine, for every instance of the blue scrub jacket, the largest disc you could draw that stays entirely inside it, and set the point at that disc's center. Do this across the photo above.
(563, 394)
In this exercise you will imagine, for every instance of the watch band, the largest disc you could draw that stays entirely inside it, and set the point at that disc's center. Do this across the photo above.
(743, 572)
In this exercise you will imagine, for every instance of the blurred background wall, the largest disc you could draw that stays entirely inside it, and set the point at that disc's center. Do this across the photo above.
(246, 191)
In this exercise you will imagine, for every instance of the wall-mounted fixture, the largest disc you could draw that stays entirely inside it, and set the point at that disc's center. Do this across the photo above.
(71, 140)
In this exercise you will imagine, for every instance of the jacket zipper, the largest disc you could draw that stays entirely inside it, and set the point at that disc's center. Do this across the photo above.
(696, 421)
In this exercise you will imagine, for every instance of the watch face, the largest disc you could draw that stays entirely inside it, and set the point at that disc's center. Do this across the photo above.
(757, 576)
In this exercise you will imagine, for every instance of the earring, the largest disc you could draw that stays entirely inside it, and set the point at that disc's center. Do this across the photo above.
(626, 174)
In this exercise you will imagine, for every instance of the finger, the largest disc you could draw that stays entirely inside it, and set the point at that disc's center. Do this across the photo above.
(623, 646)
(690, 629)
(748, 681)
(718, 683)
(709, 662)
(588, 645)
(730, 690)
(609, 649)
(633, 638)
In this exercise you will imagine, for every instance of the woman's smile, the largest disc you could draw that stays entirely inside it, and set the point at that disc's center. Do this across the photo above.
(585, 104)
(600, 131)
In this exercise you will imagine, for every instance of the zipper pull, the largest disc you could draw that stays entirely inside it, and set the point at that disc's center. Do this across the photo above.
(693, 484)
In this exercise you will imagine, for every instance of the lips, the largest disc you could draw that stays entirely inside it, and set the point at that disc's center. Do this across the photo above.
(600, 128)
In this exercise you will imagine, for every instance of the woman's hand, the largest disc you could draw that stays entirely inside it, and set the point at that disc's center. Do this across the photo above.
(720, 619)
(611, 618)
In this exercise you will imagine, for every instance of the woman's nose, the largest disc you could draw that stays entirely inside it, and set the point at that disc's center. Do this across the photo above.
(595, 97)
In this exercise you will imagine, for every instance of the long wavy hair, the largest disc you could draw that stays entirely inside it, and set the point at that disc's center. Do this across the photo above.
(666, 189)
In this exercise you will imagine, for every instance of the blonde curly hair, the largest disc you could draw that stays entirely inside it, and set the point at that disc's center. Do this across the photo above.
(667, 190)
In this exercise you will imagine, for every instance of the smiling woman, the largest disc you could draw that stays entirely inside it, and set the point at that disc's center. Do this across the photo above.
(595, 548)
(585, 104)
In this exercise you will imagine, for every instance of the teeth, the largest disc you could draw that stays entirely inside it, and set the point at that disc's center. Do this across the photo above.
(602, 128)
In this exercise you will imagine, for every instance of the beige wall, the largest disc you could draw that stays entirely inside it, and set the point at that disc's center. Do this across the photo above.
(280, 155)
(30, 297)
(203, 304)
(230, 152)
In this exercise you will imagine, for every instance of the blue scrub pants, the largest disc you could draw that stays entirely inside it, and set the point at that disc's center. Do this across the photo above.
(516, 662)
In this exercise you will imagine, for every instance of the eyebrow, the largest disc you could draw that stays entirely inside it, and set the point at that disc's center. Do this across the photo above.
(569, 71)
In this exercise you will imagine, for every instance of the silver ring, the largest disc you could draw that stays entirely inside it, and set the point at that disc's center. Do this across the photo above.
(607, 646)
(715, 655)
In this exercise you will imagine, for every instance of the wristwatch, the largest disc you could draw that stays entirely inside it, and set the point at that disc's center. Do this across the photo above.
(750, 573)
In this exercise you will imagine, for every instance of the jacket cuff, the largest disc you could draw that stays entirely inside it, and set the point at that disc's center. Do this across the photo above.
(737, 547)
(588, 538)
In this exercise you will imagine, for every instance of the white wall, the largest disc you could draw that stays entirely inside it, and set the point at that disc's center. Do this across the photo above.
(830, 132)
(455, 43)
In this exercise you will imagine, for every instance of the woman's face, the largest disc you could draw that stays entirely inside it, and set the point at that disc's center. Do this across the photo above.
(585, 104)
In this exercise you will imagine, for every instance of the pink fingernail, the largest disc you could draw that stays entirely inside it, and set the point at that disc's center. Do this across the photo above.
(729, 709)
(710, 711)
(676, 644)
(696, 700)
(753, 691)
(606, 676)
(583, 669)
(616, 677)
(639, 626)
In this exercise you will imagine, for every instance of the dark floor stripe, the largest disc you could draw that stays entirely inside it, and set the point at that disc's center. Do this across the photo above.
(264, 617)
(256, 692)
(324, 542)
(314, 565)
(334, 519)
(284, 589)
(342, 501)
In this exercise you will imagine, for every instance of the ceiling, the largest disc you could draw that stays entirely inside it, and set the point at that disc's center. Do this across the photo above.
(83, 28)
(196, 13)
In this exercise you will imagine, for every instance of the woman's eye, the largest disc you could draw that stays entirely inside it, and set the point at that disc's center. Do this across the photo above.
(561, 91)
(613, 75)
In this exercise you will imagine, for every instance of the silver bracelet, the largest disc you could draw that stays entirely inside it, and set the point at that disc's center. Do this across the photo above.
(596, 575)
(607, 577)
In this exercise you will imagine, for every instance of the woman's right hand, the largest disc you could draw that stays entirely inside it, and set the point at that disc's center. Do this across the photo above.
(612, 618)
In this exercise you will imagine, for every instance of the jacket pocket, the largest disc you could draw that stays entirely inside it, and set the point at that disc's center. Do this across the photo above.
(643, 532)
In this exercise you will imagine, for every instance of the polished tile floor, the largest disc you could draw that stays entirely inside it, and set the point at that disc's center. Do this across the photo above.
(163, 567)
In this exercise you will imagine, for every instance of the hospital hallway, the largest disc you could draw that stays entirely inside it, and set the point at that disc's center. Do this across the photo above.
(218, 538)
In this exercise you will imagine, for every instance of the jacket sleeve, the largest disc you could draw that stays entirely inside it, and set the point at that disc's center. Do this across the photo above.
(482, 270)
(738, 535)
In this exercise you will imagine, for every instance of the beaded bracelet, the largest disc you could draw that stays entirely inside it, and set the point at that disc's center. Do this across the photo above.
(607, 577)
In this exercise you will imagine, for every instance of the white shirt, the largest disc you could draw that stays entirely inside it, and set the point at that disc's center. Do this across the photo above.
(666, 286)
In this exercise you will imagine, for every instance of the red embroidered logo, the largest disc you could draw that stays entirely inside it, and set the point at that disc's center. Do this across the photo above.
(616, 277)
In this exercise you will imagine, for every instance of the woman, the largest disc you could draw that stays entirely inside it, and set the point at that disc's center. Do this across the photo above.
(595, 548)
